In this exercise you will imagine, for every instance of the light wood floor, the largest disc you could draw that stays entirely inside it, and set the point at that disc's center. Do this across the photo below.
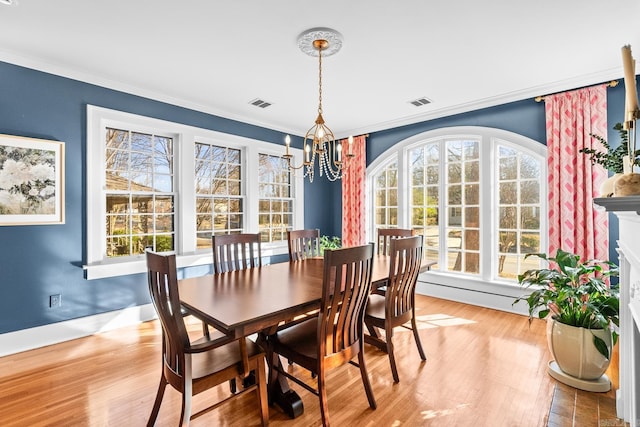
(483, 368)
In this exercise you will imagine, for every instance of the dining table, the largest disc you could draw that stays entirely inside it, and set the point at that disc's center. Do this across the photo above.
(245, 302)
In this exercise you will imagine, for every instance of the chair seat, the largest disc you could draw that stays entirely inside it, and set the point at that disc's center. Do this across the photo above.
(221, 358)
(376, 306)
(302, 336)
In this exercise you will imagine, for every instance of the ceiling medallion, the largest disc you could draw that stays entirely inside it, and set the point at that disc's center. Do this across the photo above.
(306, 41)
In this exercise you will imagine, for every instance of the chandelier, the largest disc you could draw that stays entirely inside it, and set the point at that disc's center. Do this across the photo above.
(319, 143)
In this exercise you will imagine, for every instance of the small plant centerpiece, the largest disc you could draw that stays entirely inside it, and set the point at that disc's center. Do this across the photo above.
(612, 159)
(584, 311)
(327, 242)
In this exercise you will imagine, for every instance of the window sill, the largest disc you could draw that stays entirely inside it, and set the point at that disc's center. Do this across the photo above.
(138, 265)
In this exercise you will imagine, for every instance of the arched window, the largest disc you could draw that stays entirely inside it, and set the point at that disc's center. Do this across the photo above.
(477, 195)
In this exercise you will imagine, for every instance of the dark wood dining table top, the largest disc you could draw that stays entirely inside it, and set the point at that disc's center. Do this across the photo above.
(247, 301)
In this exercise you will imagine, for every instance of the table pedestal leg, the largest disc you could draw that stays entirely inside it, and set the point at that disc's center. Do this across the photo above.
(279, 391)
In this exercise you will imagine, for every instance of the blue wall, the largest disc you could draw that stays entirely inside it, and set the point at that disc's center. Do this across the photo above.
(37, 261)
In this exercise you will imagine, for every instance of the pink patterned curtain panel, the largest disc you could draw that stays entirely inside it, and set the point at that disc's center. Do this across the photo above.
(353, 195)
(574, 225)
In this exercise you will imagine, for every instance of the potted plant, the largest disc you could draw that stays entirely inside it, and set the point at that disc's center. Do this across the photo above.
(584, 311)
(611, 159)
(327, 242)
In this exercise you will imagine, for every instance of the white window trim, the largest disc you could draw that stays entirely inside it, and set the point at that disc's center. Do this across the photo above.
(184, 137)
(488, 137)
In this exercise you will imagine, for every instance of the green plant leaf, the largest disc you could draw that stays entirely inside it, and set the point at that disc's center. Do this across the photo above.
(601, 346)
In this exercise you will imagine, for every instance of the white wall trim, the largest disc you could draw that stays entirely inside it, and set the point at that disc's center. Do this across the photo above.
(473, 297)
(54, 333)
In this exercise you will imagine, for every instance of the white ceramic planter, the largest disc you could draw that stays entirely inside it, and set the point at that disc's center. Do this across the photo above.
(574, 352)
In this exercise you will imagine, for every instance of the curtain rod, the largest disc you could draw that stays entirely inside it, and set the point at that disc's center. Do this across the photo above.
(612, 83)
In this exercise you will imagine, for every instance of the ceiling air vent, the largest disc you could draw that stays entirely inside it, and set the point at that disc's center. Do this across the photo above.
(420, 101)
(260, 103)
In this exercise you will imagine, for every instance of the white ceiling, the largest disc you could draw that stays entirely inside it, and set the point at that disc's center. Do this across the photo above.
(217, 56)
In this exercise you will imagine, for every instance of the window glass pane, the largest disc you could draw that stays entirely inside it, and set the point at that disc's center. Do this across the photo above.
(530, 219)
(139, 191)
(529, 167)
(530, 243)
(472, 217)
(508, 193)
(519, 205)
(217, 176)
(508, 168)
(386, 196)
(508, 217)
(275, 201)
(529, 192)
(472, 194)
(455, 194)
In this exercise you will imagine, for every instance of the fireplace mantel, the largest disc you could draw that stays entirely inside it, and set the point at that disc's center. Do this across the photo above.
(627, 209)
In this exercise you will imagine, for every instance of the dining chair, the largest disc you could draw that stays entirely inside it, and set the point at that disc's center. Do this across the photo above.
(386, 234)
(335, 336)
(397, 306)
(303, 244)
(192, 367)
(233, 252)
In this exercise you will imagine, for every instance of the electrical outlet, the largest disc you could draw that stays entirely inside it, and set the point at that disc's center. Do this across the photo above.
(55, 300)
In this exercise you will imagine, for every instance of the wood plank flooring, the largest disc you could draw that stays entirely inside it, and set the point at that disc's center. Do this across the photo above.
(483, 368)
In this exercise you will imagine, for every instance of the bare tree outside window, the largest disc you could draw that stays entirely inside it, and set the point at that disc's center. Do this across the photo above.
(219, 193)
(139, 192)
(275, 203)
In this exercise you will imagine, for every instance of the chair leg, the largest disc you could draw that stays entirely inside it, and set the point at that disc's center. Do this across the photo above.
(185, 413)
(365, 380)
(205, 330)
(322, 395)
(261, 391)
(392, 359)
(414, 326)
(158, 401)
(372, 329)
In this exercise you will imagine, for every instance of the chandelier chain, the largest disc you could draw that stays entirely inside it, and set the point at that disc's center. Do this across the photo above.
(320, 80)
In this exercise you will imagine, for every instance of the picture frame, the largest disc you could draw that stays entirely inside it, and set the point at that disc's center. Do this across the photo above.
(31, 181)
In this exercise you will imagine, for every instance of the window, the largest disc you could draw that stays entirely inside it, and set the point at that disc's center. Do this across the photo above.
(139, 192)
(386, 194)
(167, 186)
(520, 208)
(475, 194)
(275, 214)
(219, 195)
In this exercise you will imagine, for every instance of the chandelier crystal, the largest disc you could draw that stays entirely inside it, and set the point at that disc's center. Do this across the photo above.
(319, 142)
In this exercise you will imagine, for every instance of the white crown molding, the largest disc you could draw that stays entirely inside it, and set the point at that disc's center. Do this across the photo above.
(558, 86)
(505, 98)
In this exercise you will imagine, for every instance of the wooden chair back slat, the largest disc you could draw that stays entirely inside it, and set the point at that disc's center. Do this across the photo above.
(232, 252)
(385, 235)
(303, 244)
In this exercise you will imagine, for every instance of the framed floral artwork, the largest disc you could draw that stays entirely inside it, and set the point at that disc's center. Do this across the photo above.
(31, 181)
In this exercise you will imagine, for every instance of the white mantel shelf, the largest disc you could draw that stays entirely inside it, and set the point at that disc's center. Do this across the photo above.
(619, 204)
(627, 209)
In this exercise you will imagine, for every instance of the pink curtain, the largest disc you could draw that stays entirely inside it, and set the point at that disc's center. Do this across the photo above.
(353, 195)
(574, 225)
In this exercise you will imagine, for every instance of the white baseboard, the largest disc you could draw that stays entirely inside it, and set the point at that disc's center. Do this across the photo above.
(28, 339)
(40, 336)
(467, 296)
